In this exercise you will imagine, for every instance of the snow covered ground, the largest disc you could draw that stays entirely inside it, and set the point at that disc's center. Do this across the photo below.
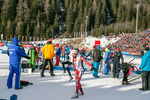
(58, 87)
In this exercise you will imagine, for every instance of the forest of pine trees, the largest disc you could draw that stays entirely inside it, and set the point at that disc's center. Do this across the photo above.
(42, 18)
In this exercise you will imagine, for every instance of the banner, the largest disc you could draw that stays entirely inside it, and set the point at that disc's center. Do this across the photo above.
(134, 53)
(26, 45)
(97, 42)
(2, 44)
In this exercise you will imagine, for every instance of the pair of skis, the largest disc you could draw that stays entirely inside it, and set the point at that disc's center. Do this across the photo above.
(135, 77)
(131, 79)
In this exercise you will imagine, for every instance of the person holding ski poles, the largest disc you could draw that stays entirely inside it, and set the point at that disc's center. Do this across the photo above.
(79, 70)
(145, 67)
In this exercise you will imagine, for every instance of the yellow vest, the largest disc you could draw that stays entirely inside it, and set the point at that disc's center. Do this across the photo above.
(48, 51)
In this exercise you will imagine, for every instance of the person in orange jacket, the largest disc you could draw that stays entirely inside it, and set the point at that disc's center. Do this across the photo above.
(48, 52)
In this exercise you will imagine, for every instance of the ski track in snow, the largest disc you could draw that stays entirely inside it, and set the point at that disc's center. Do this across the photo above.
(58, 87)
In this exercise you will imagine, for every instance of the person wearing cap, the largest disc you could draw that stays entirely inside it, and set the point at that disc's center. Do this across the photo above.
(145, 67)
(116, 62)
(79, 70)
(32, 53)
(15, 53)
(48, 52)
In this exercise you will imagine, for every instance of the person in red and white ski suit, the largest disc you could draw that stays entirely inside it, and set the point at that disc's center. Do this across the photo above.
(79, 70)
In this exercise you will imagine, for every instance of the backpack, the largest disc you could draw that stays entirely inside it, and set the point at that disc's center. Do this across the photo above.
(97, 55)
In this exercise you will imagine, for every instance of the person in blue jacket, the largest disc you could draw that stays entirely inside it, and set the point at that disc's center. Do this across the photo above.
(145, 67)
(15, 53)
(107, 61)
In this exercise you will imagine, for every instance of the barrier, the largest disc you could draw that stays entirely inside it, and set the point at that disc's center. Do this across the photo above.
(4, 51)
(2, 44)
(26, 45)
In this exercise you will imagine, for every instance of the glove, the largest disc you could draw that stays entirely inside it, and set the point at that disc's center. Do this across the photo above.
(27, 57)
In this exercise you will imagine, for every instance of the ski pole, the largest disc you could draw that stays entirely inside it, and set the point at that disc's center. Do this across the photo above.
(135, 78)
(131, 60)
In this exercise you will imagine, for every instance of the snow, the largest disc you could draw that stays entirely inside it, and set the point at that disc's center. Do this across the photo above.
(58, 87)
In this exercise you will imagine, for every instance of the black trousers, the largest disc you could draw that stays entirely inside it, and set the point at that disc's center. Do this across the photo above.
(125, 79)
(116, 70)
(146, 80)
(68, 69)
(45, 64)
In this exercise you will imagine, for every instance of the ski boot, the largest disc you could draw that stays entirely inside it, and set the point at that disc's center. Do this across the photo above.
(74, 96)
(19, 88)
(97, 77)
(33, 69)
(142, 89)
(81, 92)
(52, 74)
(42, 75)
(70, 79)
(64, 71)
(128, 83)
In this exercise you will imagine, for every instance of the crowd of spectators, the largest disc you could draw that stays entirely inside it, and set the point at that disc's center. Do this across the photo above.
(133, 42)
